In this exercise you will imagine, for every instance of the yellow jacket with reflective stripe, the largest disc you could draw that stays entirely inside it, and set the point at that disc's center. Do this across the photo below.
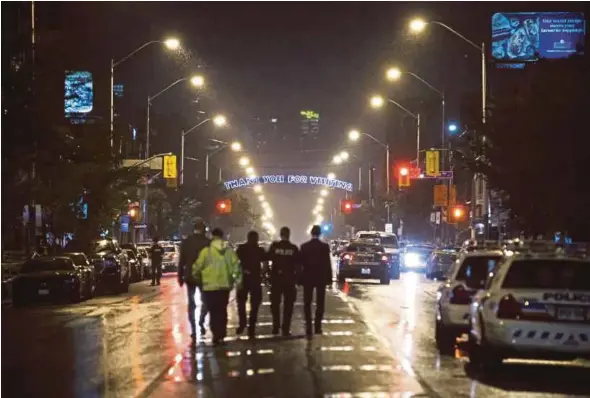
(217, 267)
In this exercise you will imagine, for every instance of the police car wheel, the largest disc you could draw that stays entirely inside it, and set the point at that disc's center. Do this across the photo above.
(481, 355)
(445, 339)
(384, 279)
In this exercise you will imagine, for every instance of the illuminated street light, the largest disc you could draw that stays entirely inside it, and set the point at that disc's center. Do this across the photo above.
(319, 207)
(344, 155)
(417, 25)
(236, 146)
(257, 188)
(261, 198)
(269, 213)
(172, 43)
(331, 176)
(265, 205)
(377, 101)
(198, 81)
(314, 212)
(324, 192)
(393, 74)
(250, 170)
(264, 218)
(453, 127)
(321, 201)
(337, 159)
(354, 135)
(220, 120)
(244, 161)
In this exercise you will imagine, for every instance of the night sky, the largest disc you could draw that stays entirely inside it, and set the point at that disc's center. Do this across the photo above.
(274, 59)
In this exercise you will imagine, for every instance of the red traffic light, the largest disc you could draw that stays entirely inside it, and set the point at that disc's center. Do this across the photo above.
(346, 206)
(457, 214)
(223, 206)
(403, 171)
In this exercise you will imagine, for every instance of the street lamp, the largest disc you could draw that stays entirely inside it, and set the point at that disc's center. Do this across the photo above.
(417, 25)
(261, 198)
(220, 120)
(354, 135)
(453, 128)
(331, 176)
(183, 135)
(324, 192)
(415, 116)
(377, 101)
(244, 161)
(171, 44)
(337, 159)
(321, 201)
(197, 81)
(236, 146)
(395, 74)
(258, 189)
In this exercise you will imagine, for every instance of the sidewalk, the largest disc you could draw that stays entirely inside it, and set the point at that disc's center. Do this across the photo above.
(346, 361)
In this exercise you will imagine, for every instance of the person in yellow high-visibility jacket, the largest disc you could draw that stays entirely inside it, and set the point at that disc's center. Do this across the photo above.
(218, 269)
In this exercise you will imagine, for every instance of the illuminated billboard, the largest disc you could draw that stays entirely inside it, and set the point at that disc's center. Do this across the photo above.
(528, 36)
(78, 95)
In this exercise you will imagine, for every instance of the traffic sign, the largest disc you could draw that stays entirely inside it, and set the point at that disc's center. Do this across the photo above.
(432, 163)
(440, 195)
(389, 228)
(169, 166)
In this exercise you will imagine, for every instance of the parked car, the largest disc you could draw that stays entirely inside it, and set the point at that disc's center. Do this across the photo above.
(136, 271)
(51, 278)
(535, 306)
(80, 260)
(440, 263)
(111, 265)
(144, 257)
(171, 257)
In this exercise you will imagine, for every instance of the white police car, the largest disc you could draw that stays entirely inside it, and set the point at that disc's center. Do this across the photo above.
(535, 305)
(465, 278)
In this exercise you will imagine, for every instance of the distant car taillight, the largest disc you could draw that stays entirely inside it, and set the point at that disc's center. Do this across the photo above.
(461, 296)
(347, 257)
(385, 259)
(509, 308)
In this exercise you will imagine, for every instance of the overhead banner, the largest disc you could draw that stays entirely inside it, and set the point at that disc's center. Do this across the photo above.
(289, 179)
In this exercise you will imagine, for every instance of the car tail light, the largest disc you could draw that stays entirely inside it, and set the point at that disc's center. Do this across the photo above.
(460, 295)
(384, 259)
(347, 257)
(509, 308)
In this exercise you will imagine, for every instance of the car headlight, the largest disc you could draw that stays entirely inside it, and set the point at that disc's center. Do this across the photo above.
(412, 260)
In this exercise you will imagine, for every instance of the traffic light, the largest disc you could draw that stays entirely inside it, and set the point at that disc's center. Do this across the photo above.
(346, 206)
(223, 206)
(133, 210)
(457, 214)
(403, 175)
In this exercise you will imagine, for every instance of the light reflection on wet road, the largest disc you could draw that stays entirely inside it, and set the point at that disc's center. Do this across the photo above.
(402, 315)
(137, 345)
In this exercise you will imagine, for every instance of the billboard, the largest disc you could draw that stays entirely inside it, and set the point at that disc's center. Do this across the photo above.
(528, 36)
(78, 95)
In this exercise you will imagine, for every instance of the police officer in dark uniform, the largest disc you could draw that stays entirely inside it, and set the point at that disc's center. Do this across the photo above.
(156, 254)
(251, 256)
(316, 274)
(189, 252)
(285, 270)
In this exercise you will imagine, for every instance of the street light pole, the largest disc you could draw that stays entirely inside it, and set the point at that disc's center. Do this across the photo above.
(207, 168)
(147, 128)
(112, 107)
(182, 157)
(387, 174)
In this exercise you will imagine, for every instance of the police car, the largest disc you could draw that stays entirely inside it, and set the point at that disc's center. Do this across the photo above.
(364, 258)
(535, 305)
(453, 298)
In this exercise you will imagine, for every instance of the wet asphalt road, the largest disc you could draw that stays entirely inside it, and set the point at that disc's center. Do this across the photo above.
(377, 342)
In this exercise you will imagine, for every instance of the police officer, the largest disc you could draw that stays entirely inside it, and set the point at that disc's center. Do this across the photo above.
(316, 274)
(189, 252)
(156, 254)
(284, 257)
(218, 267)
(251, 256)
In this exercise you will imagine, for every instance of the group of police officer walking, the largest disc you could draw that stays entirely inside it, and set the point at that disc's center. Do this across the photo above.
(214, 268)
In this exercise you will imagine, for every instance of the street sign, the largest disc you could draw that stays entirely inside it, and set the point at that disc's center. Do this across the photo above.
(170, 166)
(171, 182)
(440, 195)
(432, 163)
(140, 226)
(389, 228)
(125, 223)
